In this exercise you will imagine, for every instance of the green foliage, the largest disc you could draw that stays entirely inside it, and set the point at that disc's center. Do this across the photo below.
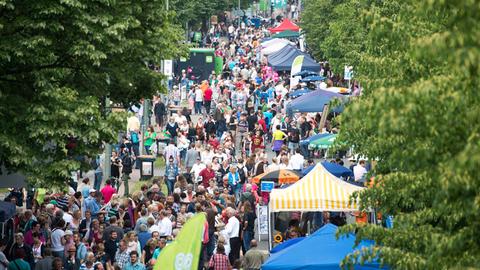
(59, 60)
(197, 13)
(419, 118)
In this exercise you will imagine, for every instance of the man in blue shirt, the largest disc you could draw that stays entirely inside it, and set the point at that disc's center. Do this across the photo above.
(271, 93)
(92, 202)
(134, 264)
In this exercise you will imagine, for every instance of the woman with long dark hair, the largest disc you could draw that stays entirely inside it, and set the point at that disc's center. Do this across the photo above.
(248, 224)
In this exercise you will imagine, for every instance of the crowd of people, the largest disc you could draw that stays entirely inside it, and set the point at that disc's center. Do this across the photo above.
(233, 126)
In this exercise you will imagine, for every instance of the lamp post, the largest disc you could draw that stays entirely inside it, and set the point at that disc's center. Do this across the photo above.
(108, 147)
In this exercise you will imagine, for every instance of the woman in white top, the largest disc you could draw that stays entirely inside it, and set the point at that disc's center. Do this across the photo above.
(37, 249)
(198, 100)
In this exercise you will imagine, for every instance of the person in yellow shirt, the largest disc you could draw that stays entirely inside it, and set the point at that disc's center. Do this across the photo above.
(278, 138)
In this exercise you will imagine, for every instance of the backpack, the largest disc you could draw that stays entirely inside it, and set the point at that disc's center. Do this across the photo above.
(134, 137)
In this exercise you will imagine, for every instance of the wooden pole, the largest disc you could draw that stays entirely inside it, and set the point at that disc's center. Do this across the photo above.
(323, 119)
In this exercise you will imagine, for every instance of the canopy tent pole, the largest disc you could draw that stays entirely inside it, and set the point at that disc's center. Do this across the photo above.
(271, 225)
(323, 119)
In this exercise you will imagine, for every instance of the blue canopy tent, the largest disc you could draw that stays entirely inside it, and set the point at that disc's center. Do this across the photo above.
(282, 53)
(312, 102)
(319, 251)
(300, 92)
(305, 73)
(314, 78)
(286, 244)
(337, 170)
(333, 168)
(282, 60)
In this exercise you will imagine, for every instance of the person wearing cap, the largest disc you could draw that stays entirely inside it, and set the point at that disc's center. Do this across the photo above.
(68, 241)
(92, 203)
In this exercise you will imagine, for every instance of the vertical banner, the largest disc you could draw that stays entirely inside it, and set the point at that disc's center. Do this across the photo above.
(296, 68)
(184, 252)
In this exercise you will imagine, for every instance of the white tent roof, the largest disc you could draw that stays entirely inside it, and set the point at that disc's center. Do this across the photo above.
(319, 190)
(274, 46)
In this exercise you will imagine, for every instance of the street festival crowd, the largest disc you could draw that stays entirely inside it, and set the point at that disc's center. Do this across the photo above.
(229, 126)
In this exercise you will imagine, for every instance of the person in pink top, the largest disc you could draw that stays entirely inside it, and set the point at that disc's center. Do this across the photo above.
(108, 191)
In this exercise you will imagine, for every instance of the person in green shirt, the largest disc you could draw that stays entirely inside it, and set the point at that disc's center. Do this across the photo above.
(150, 137)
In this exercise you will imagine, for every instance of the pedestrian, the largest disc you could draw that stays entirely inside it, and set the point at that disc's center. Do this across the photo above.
(171, 174)
(254, 258)
(232, 230)
(149, 139)
(160, 112)
(278, 139)
(198, 100)
(219, 261)
(248, 228)
(207, 99)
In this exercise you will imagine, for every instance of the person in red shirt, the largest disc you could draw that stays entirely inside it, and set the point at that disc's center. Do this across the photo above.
(207, 99)
(213, 142)
(257, 141)
(261, 121)
(108, 191)
(207, 174)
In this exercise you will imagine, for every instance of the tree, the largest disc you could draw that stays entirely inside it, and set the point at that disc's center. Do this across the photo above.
(419, 119)
(58, 61)
(315, 21)
(198, 13)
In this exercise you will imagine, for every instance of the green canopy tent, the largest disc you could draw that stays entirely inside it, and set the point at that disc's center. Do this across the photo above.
(287, 34)
(323, 142)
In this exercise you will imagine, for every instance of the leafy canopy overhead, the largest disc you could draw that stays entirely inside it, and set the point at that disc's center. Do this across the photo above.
(59, 60)
(419, 118)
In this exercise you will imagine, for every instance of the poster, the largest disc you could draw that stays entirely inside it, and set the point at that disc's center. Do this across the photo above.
(147, 168)
(263, 219)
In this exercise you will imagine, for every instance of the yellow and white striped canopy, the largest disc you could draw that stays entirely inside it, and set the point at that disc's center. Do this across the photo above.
(319, 190)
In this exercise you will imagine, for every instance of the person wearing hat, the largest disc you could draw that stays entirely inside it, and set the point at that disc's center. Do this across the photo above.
(92, 203)
(20, 248)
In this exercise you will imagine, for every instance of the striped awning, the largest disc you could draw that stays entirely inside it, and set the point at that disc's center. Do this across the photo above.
(319, 190)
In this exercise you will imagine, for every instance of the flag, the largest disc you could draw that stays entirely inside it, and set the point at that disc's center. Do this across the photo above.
(184, 252)
(296, 68)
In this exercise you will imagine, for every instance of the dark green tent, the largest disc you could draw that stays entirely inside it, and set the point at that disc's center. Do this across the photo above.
(287, 34)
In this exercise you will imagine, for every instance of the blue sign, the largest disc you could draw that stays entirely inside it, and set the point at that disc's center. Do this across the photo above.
(267, 186)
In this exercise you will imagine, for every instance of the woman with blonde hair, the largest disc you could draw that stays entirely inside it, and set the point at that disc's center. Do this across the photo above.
(148, 250)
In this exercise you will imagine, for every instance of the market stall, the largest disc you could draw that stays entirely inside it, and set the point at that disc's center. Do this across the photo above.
(284, 26)
(319, 190)
(319, 251)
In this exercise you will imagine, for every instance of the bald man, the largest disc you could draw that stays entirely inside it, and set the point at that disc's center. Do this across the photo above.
(254, 258)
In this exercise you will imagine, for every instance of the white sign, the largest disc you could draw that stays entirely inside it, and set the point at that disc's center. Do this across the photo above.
(263, 219)
(168, 67)
(348, 73)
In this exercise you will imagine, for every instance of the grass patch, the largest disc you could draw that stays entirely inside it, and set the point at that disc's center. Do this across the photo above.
(138, 185)
(159, 163)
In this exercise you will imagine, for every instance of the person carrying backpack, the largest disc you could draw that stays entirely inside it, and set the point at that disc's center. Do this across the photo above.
(127, 163)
